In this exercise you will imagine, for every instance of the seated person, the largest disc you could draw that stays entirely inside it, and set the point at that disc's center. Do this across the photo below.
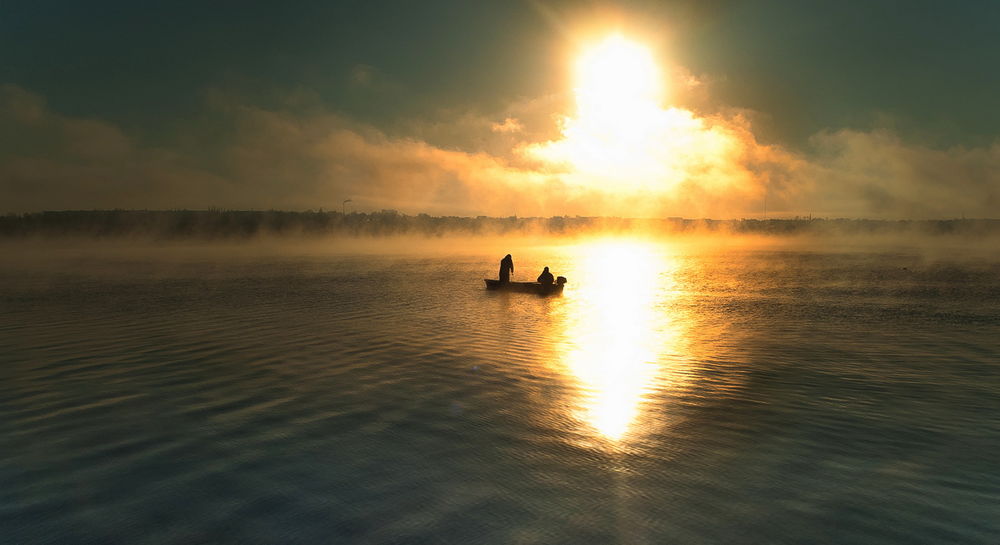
(546, 277)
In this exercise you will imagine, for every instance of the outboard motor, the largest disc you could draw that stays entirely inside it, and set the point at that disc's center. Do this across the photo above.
(560, 280)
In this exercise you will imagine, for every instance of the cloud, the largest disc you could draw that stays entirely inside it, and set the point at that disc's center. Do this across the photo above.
(362, 75)
(49, 161)
(877, 174)
(265, 159)
(508, 125)
(241, 155)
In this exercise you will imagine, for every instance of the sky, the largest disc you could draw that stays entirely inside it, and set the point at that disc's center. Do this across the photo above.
(725, 109)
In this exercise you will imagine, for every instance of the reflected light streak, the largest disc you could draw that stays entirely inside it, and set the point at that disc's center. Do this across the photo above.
(615, 333)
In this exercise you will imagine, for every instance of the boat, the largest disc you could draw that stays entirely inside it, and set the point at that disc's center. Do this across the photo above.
(526, 287)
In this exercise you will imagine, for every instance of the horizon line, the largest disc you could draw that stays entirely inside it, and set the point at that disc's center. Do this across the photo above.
(322, 210)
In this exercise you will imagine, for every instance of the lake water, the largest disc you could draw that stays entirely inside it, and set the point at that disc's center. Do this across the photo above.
(673, 394)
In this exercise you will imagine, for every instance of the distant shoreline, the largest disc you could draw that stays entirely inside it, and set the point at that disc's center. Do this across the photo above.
(242, 224)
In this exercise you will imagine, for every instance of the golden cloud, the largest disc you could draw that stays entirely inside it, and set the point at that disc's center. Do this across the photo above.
(712, 166)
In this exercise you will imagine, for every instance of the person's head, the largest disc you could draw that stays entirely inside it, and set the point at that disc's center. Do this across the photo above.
(546, 269)
(506, 256)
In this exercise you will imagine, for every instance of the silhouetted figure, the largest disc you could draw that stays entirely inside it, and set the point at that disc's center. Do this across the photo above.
(545, 277)
(506, 268)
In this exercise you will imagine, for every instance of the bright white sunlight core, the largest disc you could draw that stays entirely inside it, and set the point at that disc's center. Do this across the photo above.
(622, 137)
(618, 87)
(617, 84)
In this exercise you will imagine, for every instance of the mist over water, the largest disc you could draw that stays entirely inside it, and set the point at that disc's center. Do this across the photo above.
(697, 390)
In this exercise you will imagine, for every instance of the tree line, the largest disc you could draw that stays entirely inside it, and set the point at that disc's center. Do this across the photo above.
(217, 223)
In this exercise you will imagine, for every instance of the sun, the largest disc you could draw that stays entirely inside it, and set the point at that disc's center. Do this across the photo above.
(616, 81)
(618, 131)
(632, 146)
(624, 139)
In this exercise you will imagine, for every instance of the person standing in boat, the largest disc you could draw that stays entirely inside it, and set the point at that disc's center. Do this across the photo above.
(546, 277)
(506, 268)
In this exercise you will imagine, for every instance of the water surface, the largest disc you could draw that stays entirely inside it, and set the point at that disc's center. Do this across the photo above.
(673, 394)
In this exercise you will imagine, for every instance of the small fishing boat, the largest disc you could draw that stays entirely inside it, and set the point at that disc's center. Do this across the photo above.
(526, 287)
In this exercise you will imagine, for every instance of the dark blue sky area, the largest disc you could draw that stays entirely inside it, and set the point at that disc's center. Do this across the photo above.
(927, 68)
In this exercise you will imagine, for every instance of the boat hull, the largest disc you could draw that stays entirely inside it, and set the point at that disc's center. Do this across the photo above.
(524, 287)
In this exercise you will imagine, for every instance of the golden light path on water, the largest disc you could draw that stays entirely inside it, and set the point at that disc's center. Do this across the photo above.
(620, 337)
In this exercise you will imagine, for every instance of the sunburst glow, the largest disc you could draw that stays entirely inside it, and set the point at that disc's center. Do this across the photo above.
(623, 137)
(618, 88)
(617, 83)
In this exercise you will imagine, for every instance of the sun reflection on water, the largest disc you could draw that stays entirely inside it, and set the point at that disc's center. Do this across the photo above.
(618, 331)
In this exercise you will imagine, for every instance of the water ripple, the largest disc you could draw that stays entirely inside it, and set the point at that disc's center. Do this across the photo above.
(778, 397)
